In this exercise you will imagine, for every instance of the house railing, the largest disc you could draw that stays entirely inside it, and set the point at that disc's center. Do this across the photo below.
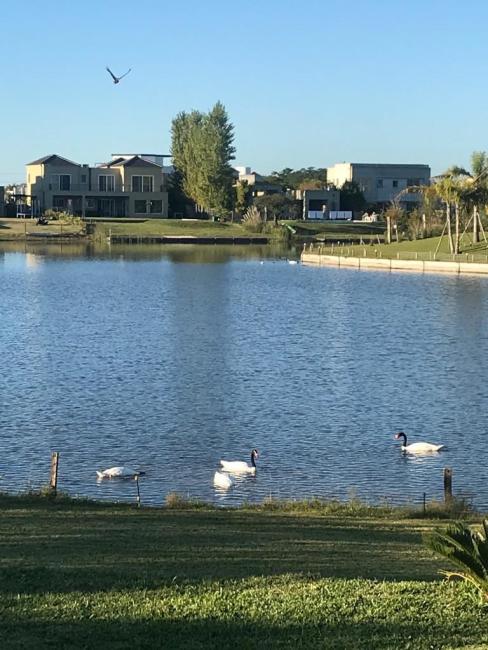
(83, 188)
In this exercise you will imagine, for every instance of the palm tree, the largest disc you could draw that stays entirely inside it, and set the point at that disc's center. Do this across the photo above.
(466, 549)
(451, 188)
(477, 190)
(392, 215)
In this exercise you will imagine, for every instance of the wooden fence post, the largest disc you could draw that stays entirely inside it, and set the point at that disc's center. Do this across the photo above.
(136, 478)
(53, 482)
(447, 484)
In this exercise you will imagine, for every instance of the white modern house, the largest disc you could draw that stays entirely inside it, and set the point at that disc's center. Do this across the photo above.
(382, 183)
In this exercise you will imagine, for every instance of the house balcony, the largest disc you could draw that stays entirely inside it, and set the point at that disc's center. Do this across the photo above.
(82, 188)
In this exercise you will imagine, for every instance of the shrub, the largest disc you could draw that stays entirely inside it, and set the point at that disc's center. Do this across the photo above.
(467, 550)
(252, 219)
(65, 217)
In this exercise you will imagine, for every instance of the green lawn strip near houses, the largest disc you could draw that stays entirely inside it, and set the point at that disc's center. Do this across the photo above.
(333, 231)
(12, 229)
(180, 228)
(137, 229)
(83, 575)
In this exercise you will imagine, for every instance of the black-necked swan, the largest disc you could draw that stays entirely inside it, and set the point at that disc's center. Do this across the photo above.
(417, 447)
(119, 472)
(222, 480)
(240, 466)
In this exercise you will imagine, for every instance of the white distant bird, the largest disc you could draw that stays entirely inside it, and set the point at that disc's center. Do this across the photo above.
(222, 480)
(239, 466)
(115, 79)
(119, 472)
(417, 447)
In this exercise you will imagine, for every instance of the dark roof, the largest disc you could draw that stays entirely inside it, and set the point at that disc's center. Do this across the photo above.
(135, 160)
(50, 158)
(115, 161)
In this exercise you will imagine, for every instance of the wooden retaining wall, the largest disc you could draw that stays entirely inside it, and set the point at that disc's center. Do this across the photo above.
(420, 266)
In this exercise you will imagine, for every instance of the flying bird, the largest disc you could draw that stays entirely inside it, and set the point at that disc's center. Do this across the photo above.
(117, 79)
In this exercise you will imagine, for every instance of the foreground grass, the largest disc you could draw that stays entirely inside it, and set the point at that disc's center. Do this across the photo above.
(81, 575)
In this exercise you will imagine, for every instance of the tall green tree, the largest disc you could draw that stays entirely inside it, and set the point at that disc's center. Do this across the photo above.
(243, 195)
(217, 172)
(202, 148)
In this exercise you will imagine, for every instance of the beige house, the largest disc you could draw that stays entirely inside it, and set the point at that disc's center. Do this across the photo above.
(381, 183)
(258, 186)
(123, 187)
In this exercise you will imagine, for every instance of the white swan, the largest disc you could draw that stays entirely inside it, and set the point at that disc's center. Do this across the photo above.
(417, 447)
(222, 480)
(119, 472)
(239, 466)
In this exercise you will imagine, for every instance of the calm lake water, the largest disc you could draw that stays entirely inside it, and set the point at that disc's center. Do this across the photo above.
(170, 358)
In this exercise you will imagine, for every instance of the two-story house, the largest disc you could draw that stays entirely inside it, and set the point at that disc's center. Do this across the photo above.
(130, 186)
(382, 183)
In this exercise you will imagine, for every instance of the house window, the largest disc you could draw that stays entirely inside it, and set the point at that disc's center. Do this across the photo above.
(156, 207)
(106, 183)
(379, 183)
(140, 206)
(64, 182)
(142, 183)
(394, 183)
(83, 178)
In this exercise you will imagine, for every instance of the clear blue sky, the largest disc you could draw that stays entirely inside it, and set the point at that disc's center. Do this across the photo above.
(308, 82)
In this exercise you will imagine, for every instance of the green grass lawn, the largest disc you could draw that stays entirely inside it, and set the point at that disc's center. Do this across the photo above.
(338, 230)
(175, 227)
(19, 228)
(80, 575)
(422, 249)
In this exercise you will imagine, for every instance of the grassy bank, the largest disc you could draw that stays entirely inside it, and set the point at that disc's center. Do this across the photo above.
(422, 249)
(181, 228)
(13, 229)
(83, 575)
(333, 231)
